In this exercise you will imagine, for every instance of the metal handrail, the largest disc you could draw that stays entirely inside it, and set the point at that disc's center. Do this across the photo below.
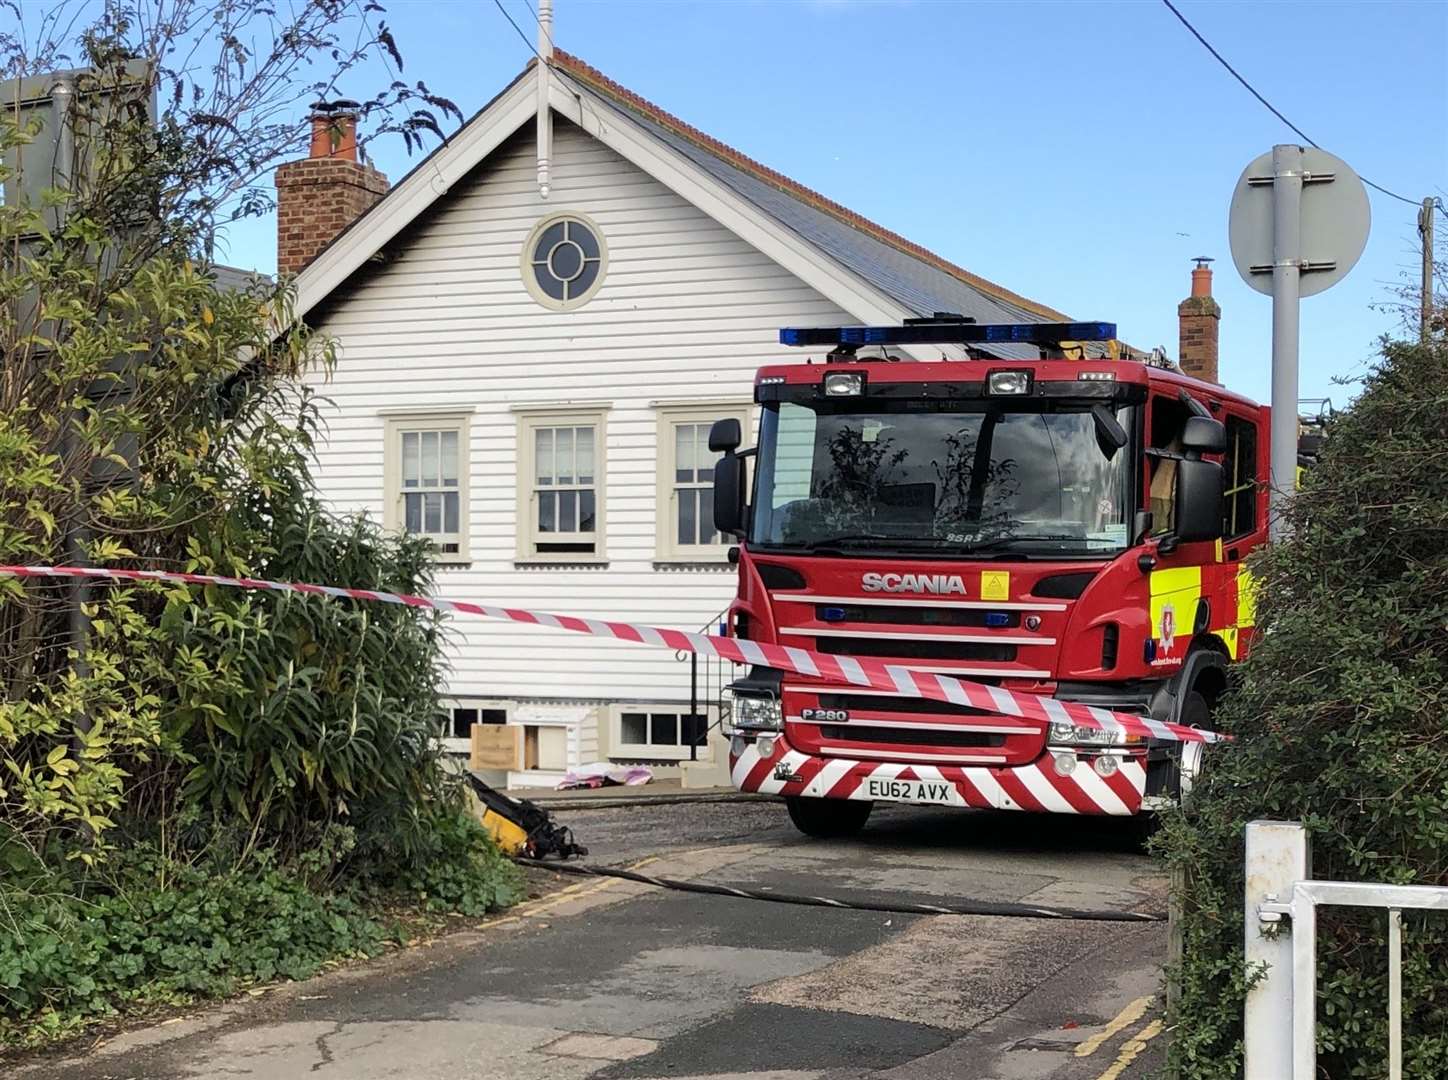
(716, 625)
(1278, 865)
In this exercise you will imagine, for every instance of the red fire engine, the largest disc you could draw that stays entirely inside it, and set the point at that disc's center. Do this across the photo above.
(1074, 528)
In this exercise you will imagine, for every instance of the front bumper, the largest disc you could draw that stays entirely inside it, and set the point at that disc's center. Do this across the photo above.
(1036, 787)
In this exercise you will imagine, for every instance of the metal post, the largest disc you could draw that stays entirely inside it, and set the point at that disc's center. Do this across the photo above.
(545, 110)
(1286, 294)
(1304, 987)
(73, 455)
(1278, 856)
(1425, 230)
(1395, 994)
(694, 703)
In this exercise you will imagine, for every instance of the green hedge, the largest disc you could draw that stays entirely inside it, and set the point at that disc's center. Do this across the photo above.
(154, 928)
(1341, 722)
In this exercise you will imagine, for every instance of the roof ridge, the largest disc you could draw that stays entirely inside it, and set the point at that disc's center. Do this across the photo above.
(626, 97)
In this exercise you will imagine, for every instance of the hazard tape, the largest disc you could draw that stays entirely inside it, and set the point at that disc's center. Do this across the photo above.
(845, 670)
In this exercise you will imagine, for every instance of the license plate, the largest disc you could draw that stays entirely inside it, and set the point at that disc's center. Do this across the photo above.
(912, 791)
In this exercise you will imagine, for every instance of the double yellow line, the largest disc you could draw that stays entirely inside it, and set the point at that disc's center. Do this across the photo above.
(1132, 1048)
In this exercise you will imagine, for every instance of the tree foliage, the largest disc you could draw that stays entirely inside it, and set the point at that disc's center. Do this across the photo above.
(1339, 724)
(172, 762)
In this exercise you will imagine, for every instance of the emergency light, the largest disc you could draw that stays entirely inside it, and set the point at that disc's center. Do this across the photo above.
(931, 332)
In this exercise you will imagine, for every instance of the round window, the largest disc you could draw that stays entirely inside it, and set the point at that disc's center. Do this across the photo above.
(563, 261)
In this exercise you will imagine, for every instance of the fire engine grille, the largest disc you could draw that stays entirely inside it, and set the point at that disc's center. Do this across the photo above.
(915, 615)
(908, 737)
(945, 649)
(916, 706)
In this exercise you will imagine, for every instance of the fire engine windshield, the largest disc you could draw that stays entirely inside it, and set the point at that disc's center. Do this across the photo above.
(1024, 478)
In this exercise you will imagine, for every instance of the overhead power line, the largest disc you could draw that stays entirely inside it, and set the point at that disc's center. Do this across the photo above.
(531, 47)
(1269, 106)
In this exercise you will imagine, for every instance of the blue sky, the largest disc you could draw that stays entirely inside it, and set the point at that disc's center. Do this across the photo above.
(1077, 152)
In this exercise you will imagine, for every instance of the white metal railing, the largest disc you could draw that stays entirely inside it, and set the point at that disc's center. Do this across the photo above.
(1282, 897)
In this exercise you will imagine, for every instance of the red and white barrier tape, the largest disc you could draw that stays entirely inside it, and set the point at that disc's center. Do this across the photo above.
(846, 670)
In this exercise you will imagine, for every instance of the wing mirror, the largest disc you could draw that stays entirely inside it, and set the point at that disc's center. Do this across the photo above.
(725, 436)
(729, 494)
(1110, 435)
(730, 506)
(1199, 498)
(1203, 435)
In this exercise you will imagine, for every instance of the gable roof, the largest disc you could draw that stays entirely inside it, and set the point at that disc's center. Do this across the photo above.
(915, 276)
(824, 239)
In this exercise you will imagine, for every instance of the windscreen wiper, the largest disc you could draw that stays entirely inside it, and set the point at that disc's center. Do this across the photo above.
(1001, 542)
(883, 545)
(874, 541)
(849, 540)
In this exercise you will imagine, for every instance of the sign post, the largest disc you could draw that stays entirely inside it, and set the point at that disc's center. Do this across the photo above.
(1298, 224)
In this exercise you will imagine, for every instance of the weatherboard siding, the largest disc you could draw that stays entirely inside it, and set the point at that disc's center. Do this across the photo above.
(687, 312)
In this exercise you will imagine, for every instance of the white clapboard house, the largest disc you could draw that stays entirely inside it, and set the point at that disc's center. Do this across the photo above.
(536, 328)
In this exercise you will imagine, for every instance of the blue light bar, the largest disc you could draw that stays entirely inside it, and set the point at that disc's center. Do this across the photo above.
(948, 333)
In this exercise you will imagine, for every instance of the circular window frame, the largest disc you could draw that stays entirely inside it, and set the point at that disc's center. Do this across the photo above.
(528, 271)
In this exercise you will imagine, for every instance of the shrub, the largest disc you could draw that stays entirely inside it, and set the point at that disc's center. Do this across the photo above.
(456, 869)
(165, 931)
(152, 928)
(1339, 722)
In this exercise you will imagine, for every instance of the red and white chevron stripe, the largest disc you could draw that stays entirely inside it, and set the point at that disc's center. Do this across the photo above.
(844, 670)
(1036, 787)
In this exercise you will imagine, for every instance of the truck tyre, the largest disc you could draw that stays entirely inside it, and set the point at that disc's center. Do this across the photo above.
(1198, 714)
(828, 818)
(1195, 712)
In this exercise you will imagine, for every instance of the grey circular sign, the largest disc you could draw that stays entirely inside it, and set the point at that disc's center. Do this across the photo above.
(1334, 221)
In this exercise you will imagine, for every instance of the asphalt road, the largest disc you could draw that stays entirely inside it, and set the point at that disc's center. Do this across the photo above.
(609, 979)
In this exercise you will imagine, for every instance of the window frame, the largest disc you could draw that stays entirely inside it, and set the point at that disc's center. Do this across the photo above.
(463, 744)
(526, 268)
(667, 547)
(618, 750)
(393, 515)
(1232, 484)
(529, 422)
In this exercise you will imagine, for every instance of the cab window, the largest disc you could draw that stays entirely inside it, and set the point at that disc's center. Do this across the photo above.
(1239, 470)
(1164, 450)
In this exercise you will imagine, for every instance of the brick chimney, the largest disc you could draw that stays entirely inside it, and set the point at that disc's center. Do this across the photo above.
(1200, 317)
(321, 195)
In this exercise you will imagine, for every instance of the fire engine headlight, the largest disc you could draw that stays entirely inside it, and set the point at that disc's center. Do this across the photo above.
(1008, 382)
(845, 383)
(756, 712)
(1067, 734)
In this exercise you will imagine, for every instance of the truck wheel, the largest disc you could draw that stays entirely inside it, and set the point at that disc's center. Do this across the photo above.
(1195, 713)
(827, 818)
(1198, 714)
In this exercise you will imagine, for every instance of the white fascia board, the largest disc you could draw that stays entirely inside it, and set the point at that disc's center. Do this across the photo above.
(406, 202)
(802, 259)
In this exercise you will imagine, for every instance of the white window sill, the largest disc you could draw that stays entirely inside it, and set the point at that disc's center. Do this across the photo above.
(631, 752)
(685, 562)
(560, 561)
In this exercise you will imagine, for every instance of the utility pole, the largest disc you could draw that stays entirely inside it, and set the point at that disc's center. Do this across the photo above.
(1425, 230)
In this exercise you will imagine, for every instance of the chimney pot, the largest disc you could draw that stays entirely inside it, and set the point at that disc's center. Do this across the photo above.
(1202, 276)
(1199, 318)
(334, 134)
